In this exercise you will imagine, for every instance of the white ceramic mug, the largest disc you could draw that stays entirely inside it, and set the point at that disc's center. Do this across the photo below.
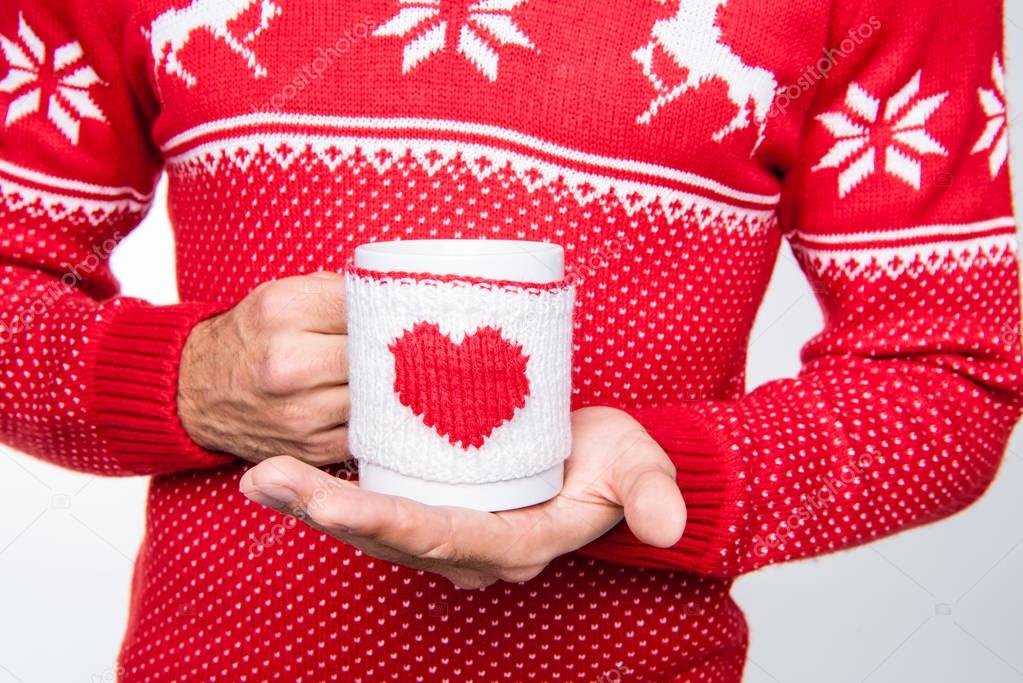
(460, 355)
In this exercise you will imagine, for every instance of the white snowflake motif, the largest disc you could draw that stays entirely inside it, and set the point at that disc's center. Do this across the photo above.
(902, 133)
(996, 134)
(68, 77)
(479, 26)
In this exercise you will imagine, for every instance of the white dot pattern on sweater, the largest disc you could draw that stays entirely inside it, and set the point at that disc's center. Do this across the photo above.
(237, 229)
(640, 319)
(209, 567)
(303, 607)
(46, 324)
(219, 572)
(898, 417)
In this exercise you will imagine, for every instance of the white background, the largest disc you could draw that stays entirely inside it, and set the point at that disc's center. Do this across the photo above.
(943, 604)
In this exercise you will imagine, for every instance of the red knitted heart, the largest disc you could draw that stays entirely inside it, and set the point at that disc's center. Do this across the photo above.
(463, 391)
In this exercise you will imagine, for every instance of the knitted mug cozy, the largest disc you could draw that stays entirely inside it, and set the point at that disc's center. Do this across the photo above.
(457, 379)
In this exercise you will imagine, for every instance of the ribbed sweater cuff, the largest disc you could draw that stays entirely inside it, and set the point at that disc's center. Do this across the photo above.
(708, 477)
(135, 388)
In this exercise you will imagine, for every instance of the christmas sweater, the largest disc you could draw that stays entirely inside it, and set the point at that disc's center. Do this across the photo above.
(671, 147)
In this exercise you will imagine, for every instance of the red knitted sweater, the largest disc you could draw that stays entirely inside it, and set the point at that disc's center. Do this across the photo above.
(669, 146)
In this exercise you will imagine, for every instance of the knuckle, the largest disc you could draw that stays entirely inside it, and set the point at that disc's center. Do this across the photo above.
(443, 550)
(269, 301)
(325, 510)
(280, 470)
(277, 373)
(669, 468)
(632, 438)
(405, 523)
(293, 419)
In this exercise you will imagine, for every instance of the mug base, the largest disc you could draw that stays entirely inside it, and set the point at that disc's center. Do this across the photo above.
(489, 497)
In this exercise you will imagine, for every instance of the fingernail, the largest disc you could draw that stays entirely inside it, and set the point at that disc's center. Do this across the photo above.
(273, 496)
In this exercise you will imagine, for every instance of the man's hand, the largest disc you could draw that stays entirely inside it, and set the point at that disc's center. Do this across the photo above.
(269, 377)
(615, 468)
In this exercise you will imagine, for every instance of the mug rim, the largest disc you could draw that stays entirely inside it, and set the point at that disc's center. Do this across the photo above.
(513, 260)
(460, 247)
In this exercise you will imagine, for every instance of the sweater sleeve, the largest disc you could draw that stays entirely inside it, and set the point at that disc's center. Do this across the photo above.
(88, 379)
(898, 210)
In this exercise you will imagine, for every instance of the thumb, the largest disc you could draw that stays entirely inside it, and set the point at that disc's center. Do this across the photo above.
(654, 508)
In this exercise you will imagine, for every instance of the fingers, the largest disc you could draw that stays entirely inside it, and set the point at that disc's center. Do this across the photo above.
(295, 363)
(329, 447)
(458, 536)
(465, 539)
(467, 579)
(313, 303)
(324, 303)
(328, 358)
(616, 462)
(286, 484)
(308, 413)
(329, 406)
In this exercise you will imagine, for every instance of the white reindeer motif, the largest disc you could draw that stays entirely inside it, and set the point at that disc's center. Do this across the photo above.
(171, 31)
(693, 40)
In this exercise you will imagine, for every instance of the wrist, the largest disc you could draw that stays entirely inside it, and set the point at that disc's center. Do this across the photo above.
(195, 385)
(134, 387)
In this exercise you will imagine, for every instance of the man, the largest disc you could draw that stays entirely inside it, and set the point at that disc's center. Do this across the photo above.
(668, 146)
